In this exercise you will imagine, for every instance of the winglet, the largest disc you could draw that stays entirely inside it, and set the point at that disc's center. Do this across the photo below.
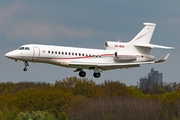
(163, 59)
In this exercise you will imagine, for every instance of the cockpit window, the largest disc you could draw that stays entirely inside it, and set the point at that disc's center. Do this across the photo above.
(27, 48)
(24, 48)
(21, 48)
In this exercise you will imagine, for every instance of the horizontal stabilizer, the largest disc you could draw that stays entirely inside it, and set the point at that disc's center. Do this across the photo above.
(153, 46)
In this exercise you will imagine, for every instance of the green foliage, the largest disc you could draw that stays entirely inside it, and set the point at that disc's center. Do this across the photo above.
(78, 86)
(63, 116)
(135, 91)
(1, 115)
(111, 88)
(83, 98)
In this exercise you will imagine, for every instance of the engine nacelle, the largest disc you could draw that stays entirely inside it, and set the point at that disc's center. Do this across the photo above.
(124, 57)
(110, 45)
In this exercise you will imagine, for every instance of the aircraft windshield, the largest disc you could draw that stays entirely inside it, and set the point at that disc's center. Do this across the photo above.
(27, 48)
(21, 48)
(24, 48)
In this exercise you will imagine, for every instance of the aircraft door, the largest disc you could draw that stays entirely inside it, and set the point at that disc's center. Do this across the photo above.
(36, 53)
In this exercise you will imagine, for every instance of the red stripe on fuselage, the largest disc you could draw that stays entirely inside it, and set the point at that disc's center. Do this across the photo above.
(98, 56)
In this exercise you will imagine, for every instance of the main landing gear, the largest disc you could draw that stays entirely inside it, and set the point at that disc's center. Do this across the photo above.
(25, 65)
(96, 75)
(83, 73)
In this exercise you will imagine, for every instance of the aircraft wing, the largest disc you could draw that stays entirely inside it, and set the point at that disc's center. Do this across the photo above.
(124, 64)
(109, 66)
(135, 63)
(106, 66)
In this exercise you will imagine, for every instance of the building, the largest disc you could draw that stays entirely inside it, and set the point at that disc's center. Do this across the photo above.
(154, 77)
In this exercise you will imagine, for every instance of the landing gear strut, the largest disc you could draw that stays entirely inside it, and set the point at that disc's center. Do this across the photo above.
(25, 65)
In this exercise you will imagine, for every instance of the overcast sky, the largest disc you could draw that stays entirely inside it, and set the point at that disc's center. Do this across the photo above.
(89, 24)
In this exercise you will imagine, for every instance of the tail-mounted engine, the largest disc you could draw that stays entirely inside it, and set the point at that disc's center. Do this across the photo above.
(124, 57)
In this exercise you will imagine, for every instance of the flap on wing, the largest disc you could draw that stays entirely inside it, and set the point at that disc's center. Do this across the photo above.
(123, 64)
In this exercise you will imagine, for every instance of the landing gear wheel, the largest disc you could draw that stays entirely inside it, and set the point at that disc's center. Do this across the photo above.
(96, 75)
(82, 74)
(25, 69)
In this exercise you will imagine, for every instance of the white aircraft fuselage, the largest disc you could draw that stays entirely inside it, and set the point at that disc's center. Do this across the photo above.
(116, 55)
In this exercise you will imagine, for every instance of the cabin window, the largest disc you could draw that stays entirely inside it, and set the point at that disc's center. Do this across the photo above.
(48, 51)
(65, 53)
(76, 54)
(79, 54)
(52, 52)
(59, 52)
(62, 53)
(69, 53)
(72, 53)
(83, 54)
(86, 55)
(55, 52)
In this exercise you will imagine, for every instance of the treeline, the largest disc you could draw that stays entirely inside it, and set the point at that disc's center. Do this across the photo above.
(82, 99)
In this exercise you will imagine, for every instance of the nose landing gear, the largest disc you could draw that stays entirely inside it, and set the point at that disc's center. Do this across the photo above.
(25, 65)
(25, 69)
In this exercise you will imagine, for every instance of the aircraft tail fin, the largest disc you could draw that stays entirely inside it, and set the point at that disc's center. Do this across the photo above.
(142, 40)
(140, 43)
(145, 35)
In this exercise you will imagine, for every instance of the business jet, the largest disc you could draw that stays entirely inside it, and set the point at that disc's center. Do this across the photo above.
(117, 55)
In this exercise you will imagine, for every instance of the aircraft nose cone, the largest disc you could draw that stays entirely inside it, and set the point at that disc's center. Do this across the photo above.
(9, 55)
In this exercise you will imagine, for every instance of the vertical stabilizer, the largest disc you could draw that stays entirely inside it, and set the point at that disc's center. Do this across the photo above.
(144, 36)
